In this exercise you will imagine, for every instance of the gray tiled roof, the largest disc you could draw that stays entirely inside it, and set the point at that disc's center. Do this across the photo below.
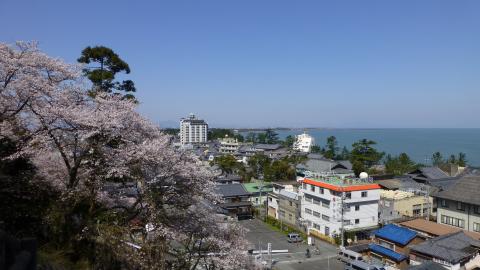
(232, 190)
(434, 172)
(268, 146)
(465, 189)
(345, 163)
(452, 248)
(315, 156)
(289, 194)
(324, 165)
(430, 173)
(428, 265)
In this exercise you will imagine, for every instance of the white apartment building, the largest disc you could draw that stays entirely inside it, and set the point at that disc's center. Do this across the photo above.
(322, 203)
(229, 145)
(303, 143)
(193, 130)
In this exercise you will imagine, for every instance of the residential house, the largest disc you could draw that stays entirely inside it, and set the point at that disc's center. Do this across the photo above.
(289, 207)
(274, 151)
(225, 179)
(396, 204)
(317, 165)
(236, 200)
(258, 192)
(327, 201)
(273, 201)
(390, 245)
(453, 251)
(429, 229)
(459, 205)
(433, 176)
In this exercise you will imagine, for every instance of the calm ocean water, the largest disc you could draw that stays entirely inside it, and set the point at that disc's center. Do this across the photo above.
(417, 143)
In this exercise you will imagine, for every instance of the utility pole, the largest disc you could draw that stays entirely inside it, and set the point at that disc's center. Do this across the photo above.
(266, 208)
(341, 228)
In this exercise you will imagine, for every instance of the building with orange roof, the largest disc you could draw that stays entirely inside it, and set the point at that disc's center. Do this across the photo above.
(327, 200)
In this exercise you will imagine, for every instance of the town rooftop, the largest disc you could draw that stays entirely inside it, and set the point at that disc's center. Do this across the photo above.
(341, 184)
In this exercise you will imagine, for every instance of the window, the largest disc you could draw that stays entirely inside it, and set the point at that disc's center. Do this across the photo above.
(321, 190)
(357, 207)
(357, 221)
(326, 204)
(290, 203)
(457, 222)
(416, 212)
(316, 214)
(316, 226)
(312, 188)
(460, 206)
(316, 201)
(348, 195)
(444, 203)
(270, 199)
(327, 230)
(476, 209)
(476, 227)
(308, 211)
(325, 217)
(364, 194)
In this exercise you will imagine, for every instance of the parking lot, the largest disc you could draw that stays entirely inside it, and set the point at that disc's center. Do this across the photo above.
(260, 235)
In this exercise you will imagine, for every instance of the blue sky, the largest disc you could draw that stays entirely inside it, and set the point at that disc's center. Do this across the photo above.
(255, 63)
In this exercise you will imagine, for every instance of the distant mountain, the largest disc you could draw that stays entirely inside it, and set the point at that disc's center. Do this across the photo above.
(168, 124)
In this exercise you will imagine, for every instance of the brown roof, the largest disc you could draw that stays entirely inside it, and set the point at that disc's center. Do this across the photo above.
(434, 229)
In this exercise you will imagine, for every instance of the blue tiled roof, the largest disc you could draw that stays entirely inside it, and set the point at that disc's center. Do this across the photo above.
(396, 234)
(387, 252)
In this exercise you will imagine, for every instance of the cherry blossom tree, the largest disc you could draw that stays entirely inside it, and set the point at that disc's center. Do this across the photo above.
(81, 144)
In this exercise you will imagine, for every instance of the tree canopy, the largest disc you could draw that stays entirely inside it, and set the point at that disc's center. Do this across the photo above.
(87, 148)
(399, 165)
(364, 155)
(102, 74)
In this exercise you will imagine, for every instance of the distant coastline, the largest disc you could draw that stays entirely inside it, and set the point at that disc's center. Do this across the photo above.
(418, 143)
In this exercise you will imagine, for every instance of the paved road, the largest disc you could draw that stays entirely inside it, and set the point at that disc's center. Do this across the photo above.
(310, 264)
(260, 235)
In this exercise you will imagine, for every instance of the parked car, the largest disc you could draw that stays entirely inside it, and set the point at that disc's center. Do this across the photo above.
(346, 255)
(294, 238)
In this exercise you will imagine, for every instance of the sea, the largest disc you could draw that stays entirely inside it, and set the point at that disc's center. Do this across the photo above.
(418, 143)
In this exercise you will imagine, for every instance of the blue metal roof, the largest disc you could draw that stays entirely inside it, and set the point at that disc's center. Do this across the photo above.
(396, 234)
(397, 257)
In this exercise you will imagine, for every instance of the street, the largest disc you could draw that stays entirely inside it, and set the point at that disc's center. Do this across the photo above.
(260, 235)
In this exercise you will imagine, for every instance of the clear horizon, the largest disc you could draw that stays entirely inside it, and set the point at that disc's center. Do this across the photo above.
(342, 64)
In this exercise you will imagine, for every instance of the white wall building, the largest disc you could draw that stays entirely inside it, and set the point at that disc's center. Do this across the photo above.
(229, 145)
(303, 143)
(193, 130)
(322, 204)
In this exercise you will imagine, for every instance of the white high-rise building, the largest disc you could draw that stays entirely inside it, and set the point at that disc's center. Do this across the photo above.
(303, 143)
(193, 130)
